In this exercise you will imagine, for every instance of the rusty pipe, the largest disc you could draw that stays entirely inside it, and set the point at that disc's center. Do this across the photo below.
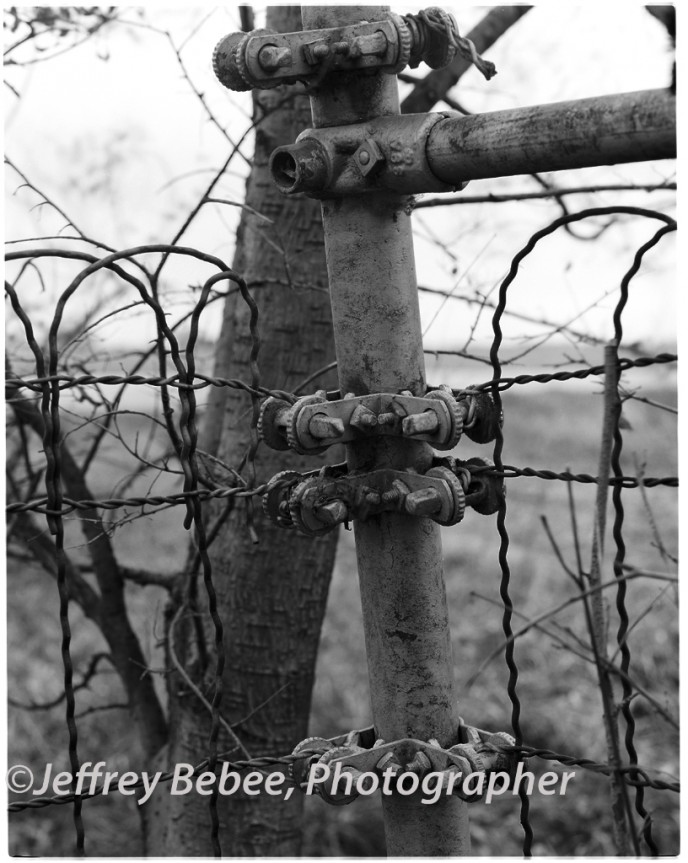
(440, 152)
(369, 249)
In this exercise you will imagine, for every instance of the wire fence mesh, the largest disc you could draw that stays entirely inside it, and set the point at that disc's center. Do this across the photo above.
(36, 399)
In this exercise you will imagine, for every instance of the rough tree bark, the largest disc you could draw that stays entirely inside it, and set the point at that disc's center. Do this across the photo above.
(271, 596)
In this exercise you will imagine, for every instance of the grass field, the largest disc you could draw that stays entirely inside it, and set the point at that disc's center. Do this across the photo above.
(545, 427)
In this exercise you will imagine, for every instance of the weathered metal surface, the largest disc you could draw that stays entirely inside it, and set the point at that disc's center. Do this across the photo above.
(317, 501)
(385, 153)
(313, 422)
(317, 504)
(342, 768)
(378, 342)
(417, 153)
(606, 130)
(264, 59)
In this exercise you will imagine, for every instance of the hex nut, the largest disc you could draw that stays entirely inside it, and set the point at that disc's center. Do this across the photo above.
(368, 157)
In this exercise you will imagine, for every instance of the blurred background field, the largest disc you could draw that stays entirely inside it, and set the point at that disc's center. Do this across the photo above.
(553, 427)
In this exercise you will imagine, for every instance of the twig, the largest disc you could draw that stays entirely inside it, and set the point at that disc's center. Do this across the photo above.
(192, 686)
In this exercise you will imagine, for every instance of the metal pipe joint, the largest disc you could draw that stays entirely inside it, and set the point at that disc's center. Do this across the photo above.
(363, 758)
(384, 153)
(441, 152)
(263, 59)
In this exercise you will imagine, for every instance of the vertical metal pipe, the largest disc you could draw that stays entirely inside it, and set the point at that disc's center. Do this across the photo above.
(378, 342)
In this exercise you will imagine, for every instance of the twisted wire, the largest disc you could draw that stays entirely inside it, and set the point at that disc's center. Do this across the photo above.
(437, 20)
(507, 471)
(510, 472)
(580, 374)
(619, 558)
(633, 775)
(187, 458)
(51, 446)
(564, 220)
(54, 506)
(202, 381)
(507, 616)
(263, 763)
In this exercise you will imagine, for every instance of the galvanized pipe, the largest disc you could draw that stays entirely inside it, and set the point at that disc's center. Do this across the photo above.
(417, 153)
(378, 343)
(606, 130)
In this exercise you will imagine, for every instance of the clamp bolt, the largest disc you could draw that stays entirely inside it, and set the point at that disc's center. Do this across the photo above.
(332, 513)
(387, 419)
(397, 493)
(389, 762)
(323, 427)
(419, 764)
(272, 58)
(321, 51)
(362, 782)
(424, 423)
(425, 501)
(363, 418)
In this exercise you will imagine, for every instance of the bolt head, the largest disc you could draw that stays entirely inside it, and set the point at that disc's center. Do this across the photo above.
(323, 427)
(424, 502)
(334, 512)
(423, 423)
(363, 418)
(368, 157)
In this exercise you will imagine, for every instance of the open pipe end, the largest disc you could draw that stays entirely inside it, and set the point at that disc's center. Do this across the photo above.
(300, 167)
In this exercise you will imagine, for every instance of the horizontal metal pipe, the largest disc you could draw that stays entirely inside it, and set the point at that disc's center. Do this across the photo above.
(606, 130)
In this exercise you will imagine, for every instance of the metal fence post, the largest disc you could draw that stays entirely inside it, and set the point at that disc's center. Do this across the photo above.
(378, 342)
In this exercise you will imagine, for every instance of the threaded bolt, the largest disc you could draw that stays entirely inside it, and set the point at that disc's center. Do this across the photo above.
(363, 418)
(272, 58)
(334, 512)
(424, 502)
(361, 784)
(323, 427)
(419, 764)
(423, 423)
(386, 419)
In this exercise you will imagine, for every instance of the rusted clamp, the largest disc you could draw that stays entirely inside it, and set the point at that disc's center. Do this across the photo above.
(263, 59)
(485, 491)
(317, 504)
(384, 153)
(341, 768)
(312, 424)
(482, 418)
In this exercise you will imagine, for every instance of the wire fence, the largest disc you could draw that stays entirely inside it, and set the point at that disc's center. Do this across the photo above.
(36, 401)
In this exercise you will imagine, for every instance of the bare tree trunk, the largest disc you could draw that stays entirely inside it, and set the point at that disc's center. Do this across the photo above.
(271, 596)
